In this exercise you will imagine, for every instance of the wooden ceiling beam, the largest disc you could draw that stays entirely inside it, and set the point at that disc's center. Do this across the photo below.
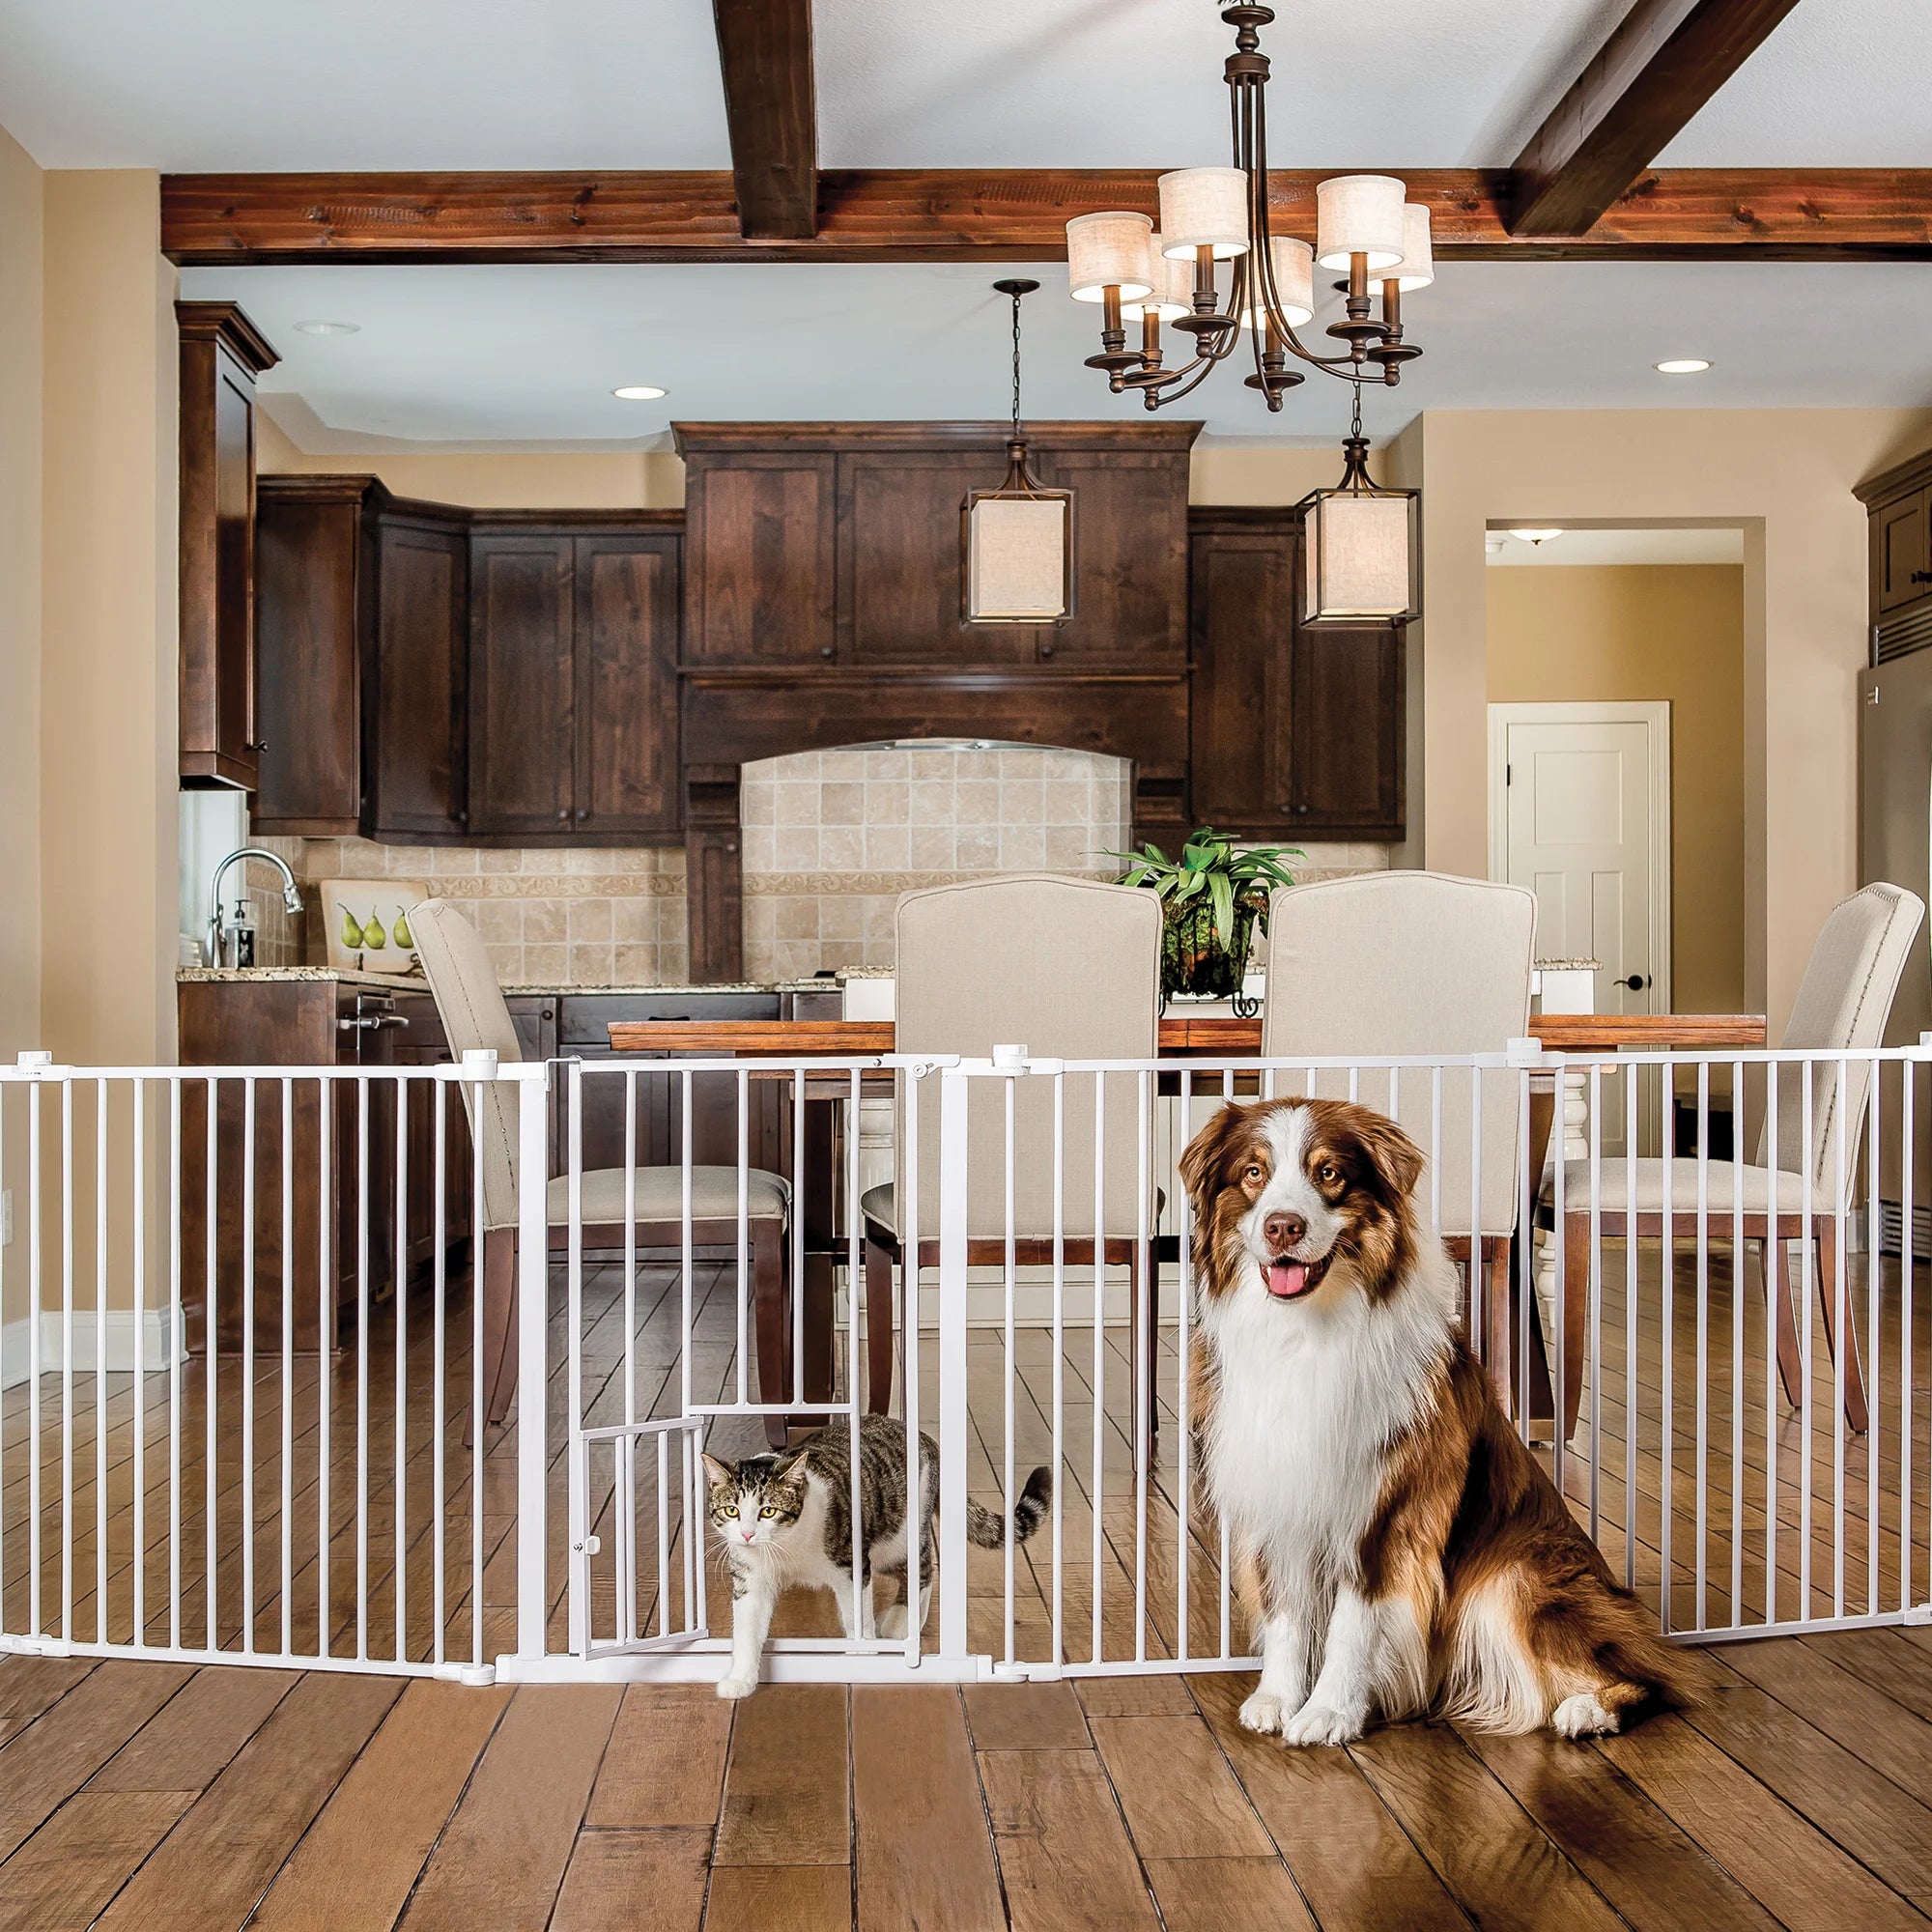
(764, 47)
(1663, 60)
(1012, 215)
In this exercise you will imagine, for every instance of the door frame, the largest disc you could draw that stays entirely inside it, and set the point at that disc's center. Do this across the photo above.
(1655, 715)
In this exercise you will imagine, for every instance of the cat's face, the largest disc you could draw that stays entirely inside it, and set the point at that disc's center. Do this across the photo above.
(754, 1502)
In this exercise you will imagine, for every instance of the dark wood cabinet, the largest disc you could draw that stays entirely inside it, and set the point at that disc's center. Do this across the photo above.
(626, 616)
(414, 720)
(1898, 506)
(1294, 732)
(314, 573)
(221, 353)
(522, 733)
(759, 545)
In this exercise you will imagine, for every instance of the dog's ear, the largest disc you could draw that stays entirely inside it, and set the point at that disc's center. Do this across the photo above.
(1392, 1154)
(1201, 1162)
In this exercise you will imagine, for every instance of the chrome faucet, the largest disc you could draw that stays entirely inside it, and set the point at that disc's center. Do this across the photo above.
(292, 898)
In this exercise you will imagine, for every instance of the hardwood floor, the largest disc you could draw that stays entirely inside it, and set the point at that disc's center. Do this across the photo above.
(212, 1797)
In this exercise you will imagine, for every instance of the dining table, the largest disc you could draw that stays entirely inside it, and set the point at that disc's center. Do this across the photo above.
(781, 1045)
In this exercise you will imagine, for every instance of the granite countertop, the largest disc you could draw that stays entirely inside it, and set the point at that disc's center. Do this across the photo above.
(1566, 965)
(194, 976)
(415, 982)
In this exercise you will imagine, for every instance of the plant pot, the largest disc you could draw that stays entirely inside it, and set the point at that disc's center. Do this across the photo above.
(1193, 959)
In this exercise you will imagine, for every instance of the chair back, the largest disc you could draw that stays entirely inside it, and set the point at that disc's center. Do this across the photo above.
(474, 1014)
(1068, 968)
(1392, 964)
(1842, 1005)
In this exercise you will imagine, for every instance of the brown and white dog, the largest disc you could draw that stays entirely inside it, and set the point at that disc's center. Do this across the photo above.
(1402, 1553)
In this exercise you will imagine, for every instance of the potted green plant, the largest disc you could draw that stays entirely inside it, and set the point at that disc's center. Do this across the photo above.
(1211, 898)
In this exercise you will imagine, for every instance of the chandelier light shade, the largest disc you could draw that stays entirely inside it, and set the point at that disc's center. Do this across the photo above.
(1359, 214)
(1418, 258)
(1205, 207)
(1173, 279)
(1017, 541)
(1108, 252)
(1294, 283)
(1359, 548)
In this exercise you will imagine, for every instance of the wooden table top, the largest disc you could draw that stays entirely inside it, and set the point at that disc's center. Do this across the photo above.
(1218, 1034)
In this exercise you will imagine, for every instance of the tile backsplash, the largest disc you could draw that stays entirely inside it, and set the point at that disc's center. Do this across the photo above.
(830, 840)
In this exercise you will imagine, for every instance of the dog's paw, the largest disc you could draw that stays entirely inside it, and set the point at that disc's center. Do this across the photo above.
(1324, 1725)
(1583, 1717)
(1263, 1712)
(736, 1687)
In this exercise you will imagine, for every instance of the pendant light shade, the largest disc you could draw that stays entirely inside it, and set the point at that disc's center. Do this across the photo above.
(1294, 284)
(1360, 554)
(1108, 250)
(1017, 541)
(1205, 207)
(1418, 258)
(1359, 214)
(1173, 279)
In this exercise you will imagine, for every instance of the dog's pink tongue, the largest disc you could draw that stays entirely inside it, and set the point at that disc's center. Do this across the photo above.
(1287, 1279)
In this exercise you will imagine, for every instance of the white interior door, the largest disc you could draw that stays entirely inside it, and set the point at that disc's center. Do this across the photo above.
(1580, 815)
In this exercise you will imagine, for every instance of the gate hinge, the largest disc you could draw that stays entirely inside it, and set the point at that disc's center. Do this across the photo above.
(587, 1546)
(35, 1646)
(1919, 1613)
(465, 1673)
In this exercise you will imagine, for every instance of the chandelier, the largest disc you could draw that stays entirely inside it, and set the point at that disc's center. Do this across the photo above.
(1209, 216)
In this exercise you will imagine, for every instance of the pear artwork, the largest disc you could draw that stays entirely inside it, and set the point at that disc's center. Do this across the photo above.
(401, 930)
(352, 930)
(373, 935)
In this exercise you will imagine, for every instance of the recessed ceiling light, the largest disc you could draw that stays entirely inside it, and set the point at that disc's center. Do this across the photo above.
(328, 328)
(639, 392)
(1683, 365)
(1537, 535)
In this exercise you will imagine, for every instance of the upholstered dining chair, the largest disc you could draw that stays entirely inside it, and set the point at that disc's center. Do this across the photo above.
(1069, 968)
(1842, 1005)
(474, 1016)
(1390, 964)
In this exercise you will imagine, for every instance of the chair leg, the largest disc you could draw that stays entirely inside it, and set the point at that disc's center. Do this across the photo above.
(1150, 1337)
(1575, 1314)
(1782, 1294)
(1856, 1412)
(772, 1301)
(878, 1328)
(1498, 1328)
(498, 1289)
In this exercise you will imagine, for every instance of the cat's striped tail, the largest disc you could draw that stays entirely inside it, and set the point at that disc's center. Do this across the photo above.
(988, 1528)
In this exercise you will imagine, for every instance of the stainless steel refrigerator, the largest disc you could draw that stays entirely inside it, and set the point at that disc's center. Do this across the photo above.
(1895, 845)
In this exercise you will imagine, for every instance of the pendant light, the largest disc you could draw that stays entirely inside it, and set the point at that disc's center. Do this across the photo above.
(1018, 539)
(1359, 550)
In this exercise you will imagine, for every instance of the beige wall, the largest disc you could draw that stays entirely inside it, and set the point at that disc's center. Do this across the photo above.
(109, 638)
(1643, 634)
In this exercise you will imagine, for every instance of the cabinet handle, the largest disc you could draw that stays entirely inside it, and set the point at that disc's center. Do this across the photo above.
(584, 811)
(1918, 577)
(825, 650)
(371, 1022)
(563, 812)
(1046, 650)
(1303, 808)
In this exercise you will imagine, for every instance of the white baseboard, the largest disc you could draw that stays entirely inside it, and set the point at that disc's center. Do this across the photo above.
(160, 1336)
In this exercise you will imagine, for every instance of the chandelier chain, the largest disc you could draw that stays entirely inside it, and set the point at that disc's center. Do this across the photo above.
(1016, 366)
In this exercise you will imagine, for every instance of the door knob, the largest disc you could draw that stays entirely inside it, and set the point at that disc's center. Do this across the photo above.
(1637, 983)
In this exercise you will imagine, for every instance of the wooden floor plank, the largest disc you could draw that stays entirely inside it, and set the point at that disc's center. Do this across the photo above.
(1228, 1896)
(1351, 1859)
(217, 1861)
(779, 1898)
(1790, 1868)
(1654, 1874)
(1180, 1799)
(620, 1880)
(919, 1844)
(356, 1864)
(1026, 1716)
(501, 1857)
(1887, 1659)
(1064, 1853)
(1154, 1697)
(1865, 1720)
(666, 1760)
(32, 1685)
(786, 1797)
(190, 1741)
(63, 1877)
(1492, 1857)
(49, 1760)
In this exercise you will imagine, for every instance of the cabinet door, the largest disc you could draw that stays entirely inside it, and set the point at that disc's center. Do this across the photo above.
(1129, 559)
(307, 582)
(1901, 551)
(1241, 706)
(521, 734)
(758, 539)
(626, 684)
(900, 560)
(1347, 734)
(416, 721)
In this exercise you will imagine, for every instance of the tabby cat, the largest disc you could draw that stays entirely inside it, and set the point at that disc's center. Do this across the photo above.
(785, 1523)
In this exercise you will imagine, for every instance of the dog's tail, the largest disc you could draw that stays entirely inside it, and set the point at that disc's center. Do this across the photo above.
(988, 1528)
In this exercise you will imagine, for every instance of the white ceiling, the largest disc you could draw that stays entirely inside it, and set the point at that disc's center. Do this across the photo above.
(489, 357)
(347, 84)
(1575, 547)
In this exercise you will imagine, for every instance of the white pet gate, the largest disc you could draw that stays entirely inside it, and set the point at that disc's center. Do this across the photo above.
(269, 1501)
